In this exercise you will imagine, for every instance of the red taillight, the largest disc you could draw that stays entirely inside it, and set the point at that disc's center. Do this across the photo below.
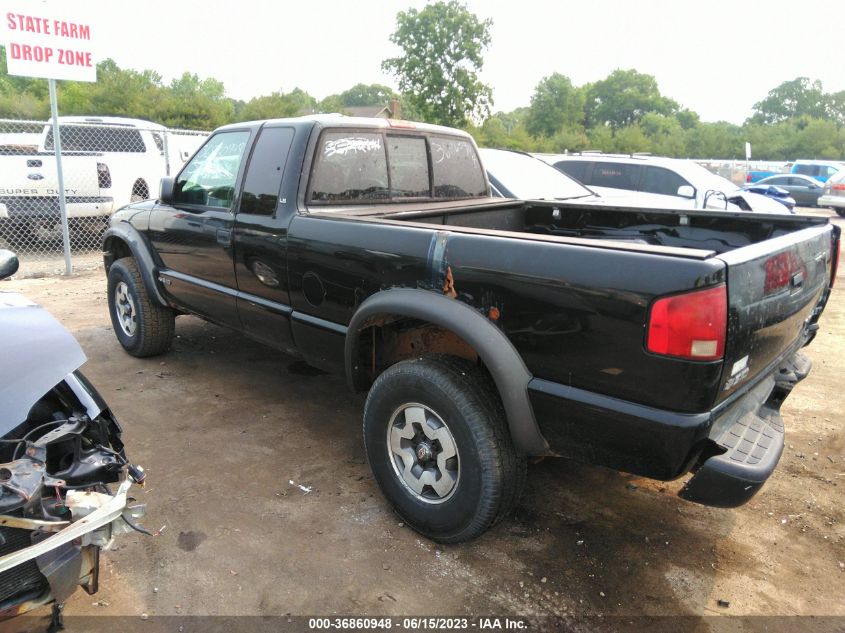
(691, 325)
(747, 177)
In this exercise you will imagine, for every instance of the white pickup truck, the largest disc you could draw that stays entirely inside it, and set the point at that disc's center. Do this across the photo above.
(108, 162)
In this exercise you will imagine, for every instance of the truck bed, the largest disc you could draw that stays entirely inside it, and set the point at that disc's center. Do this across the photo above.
(686, 233)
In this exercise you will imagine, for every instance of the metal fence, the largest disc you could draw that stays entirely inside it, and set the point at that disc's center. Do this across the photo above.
(107, 162)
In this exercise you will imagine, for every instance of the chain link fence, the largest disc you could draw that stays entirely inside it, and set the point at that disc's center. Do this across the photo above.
(107, 162)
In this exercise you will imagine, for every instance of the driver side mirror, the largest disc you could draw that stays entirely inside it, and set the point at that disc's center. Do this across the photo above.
(686, 191)
(165, 190)
(8, 264)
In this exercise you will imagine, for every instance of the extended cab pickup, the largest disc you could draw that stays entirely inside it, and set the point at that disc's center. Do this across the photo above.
(485, 330)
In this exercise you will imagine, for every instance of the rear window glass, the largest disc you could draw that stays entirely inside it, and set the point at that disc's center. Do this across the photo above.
(408, 167)
(349, 166)
(456, 169)
(364, 166)
(615, 175)
(88, 138)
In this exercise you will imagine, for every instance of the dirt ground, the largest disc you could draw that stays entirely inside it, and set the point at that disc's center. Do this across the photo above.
(223, 426)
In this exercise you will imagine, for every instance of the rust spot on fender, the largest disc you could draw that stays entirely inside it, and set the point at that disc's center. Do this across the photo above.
(449, 284)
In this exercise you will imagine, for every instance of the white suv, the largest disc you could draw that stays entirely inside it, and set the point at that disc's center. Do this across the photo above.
(660, 181)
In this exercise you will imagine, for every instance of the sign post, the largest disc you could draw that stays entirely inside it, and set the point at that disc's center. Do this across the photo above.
(747, 158)
(57, 145)
(54, 41)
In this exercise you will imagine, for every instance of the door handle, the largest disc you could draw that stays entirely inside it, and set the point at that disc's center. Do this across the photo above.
(224, 237)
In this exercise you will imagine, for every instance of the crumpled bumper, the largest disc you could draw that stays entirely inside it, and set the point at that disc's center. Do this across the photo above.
(67, 552)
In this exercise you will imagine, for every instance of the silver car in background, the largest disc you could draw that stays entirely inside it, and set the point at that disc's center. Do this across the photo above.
(833, 194)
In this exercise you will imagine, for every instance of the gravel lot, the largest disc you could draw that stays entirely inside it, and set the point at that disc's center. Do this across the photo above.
(222, 425)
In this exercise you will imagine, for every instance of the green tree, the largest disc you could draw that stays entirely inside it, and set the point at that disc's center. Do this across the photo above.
(366, 95)
(716, 140)
(665, 135)
(836, 107)
(631, 139)
(437, 72)
(192, 102)
(623, 97)
(792, 99)
(499, 131)
(555, 105)
(278, 105)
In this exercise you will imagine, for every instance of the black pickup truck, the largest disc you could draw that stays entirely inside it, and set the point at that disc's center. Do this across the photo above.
(485, 330)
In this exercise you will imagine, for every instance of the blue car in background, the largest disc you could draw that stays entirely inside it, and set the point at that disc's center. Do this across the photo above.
(774, 192)
(821, 170)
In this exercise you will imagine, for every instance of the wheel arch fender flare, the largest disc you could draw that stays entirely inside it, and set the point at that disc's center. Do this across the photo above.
(502, 360)
(130, 236)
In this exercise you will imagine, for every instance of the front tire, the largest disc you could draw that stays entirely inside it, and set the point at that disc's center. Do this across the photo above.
(439, 447)
(143, 327)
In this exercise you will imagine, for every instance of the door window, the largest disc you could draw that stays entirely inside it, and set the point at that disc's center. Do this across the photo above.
(209, 179)
(575, 168)
(807, 170)
(663, 181)
(264, 173)
(615, 175)
(784, 180)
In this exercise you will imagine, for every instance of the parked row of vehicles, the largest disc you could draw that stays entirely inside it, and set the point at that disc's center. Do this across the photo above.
(818, 170)
(108, 162)
(553, 320)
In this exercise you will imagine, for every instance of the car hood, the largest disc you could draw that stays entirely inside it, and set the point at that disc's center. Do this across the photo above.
(37, 355)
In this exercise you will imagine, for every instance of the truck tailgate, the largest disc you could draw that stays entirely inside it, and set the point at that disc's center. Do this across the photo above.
(776, 290)
(30, 183)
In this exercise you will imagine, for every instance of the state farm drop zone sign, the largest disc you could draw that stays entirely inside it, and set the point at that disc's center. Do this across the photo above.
(44, 40)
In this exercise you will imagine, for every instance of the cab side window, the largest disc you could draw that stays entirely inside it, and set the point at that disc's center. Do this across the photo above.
(265, 170)
(209, 179)
(662, 181)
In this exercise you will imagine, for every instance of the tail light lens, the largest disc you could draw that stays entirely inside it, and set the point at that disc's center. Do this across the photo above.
(780, 269)
(838, 187)
(747, 177)
(103, 176)
(691, 325)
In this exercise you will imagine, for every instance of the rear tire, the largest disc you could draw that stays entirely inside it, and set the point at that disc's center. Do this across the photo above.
(840, 211)
(439, 447)
(143, 327)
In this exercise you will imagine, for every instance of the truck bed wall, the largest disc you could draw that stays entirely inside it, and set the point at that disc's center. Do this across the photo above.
(714, 231)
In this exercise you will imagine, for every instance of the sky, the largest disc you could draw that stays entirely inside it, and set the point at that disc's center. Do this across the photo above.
(716, 57)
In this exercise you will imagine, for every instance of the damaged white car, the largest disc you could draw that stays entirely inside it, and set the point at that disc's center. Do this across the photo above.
(60, 449)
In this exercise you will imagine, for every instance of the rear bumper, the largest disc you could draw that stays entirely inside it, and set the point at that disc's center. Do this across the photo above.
(831, 201)
(751, 435)
(731, 450)
(47, 207)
